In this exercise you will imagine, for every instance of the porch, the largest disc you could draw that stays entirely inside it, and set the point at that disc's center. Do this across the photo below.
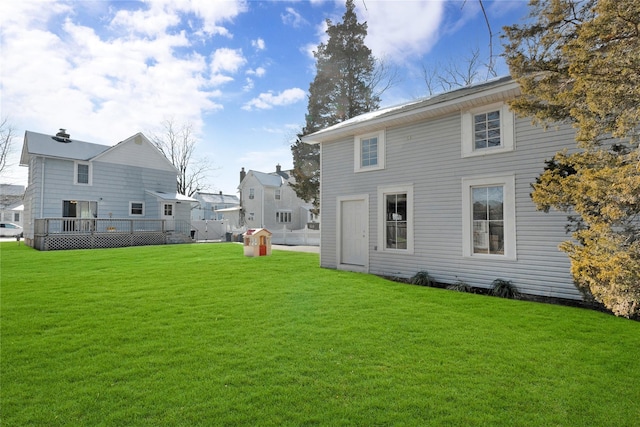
(78, 233)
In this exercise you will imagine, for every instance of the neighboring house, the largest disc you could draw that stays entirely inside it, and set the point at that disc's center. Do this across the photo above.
(442, 185)
(215, 216)
(11, 207)
(268, 201)
(209, 205)
(77, 191)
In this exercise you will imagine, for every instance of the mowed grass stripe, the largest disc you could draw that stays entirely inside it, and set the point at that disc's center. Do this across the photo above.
(201, 335)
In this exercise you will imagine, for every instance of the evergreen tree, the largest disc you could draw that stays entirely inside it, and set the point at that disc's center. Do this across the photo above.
(343, 88)
(578, 62)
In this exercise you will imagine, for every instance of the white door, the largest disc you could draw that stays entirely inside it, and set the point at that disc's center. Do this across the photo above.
(167, 213)
(353, 239)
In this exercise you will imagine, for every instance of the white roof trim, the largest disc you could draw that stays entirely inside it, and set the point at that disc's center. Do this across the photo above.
(173, 197)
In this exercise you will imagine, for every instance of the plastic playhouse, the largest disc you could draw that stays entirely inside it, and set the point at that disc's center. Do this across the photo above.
(257, 242)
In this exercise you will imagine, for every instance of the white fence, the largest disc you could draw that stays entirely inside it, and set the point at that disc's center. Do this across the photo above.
(303, 237)
(210, 229)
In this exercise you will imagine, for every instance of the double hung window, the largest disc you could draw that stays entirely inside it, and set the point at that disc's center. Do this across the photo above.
(395, 210)
(489, 217)
(82, 173)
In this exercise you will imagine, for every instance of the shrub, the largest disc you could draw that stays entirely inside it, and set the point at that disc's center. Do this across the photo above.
(504, 289)
(422, 278)
(460, 286)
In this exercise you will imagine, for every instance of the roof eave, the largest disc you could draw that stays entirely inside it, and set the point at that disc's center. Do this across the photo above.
(502, 90)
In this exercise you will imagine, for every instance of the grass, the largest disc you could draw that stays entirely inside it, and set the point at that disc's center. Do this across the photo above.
(199, 335)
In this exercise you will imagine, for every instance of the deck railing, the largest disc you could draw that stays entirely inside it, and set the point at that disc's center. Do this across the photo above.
(77, 233)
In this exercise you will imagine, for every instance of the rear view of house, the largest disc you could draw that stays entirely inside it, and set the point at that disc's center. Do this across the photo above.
(442, 184)
(85, 195)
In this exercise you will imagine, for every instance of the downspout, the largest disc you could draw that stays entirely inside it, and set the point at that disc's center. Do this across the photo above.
(262, 213)
(42, 190)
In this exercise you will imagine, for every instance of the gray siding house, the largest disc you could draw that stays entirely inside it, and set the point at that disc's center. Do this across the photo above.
(81, 194)
(268, 201)
(442, 184)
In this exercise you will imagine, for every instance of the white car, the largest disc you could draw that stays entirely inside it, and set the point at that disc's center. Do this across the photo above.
(8, 229)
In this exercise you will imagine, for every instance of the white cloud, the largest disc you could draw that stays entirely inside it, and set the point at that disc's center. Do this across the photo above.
(401, 30)
(227, 60)
(268, 100)
(258, 44)
(101, 87)
(293, 18)
(258, 72)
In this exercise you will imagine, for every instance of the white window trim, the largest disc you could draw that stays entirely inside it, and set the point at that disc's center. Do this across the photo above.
(508, 182)
(75, 173)
(131, 208)
(382, 192)
(357, 150)
(507, 132)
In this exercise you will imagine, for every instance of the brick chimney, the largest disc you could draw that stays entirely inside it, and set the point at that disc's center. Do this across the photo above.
(242, 174)
(278, 168)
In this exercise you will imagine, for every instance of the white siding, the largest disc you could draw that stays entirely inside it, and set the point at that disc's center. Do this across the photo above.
(428, 155)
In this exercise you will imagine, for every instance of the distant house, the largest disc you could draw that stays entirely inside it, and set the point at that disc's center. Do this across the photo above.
(11, 206)
(442, 184)
(211, 206)
(268, 201)
(216, 216)
(81, 194)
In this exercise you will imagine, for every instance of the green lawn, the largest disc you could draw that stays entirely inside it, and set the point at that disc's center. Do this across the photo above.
(200, 335)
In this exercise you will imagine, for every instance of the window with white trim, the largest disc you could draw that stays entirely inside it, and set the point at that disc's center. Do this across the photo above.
(277, 194)
(283, 217)
(487, 130)
(369, 152)
(488, 208)
(395, 218)
(136, 208)
(82, 173)
(252, 193)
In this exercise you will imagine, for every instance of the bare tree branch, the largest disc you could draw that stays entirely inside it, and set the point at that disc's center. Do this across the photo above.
(7, 134)
(178, 144)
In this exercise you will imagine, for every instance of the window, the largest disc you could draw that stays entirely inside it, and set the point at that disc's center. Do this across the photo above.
(489, 217)
(16, 217)
(167, 209)
(136, 208)
(82, 173)
(369, 152)
(277, 194)
(283, 217)
(251, 193)
(395, 210)
(487, 130)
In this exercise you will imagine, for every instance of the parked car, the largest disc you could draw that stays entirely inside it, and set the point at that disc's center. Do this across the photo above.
(8, 229)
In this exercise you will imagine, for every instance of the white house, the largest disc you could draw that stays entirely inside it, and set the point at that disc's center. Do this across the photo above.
(268, 201)
(211, 206)
(81, 194)
(11, 207)
(442, 184)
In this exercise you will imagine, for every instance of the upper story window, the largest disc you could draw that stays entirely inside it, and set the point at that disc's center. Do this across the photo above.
(252, 193)
(369, 152)
(487, 130)
(488, 209)
(277, 195)
(82, 173)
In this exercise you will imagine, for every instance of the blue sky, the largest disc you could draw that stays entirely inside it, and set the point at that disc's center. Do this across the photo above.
(238, 71)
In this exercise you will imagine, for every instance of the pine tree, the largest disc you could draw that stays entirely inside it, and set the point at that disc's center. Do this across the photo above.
(342, 88)
(579, 62)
